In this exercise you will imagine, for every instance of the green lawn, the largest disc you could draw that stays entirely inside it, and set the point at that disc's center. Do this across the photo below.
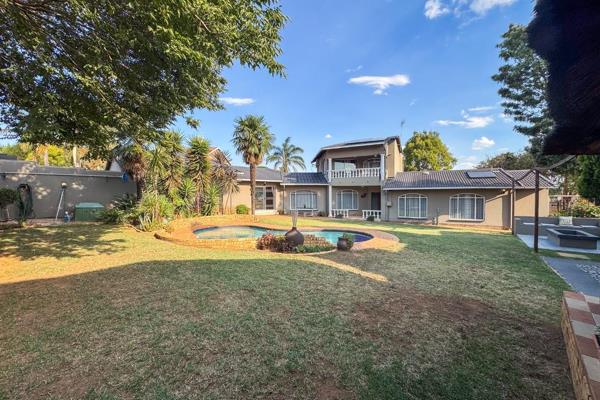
(103, 312)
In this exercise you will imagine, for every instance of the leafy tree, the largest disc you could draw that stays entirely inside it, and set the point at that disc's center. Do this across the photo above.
(509, 160)
(198, 166)
(287, 157)
(425, 151)
(253, 140)
(98, 72)
(588, 183)
(524, 80)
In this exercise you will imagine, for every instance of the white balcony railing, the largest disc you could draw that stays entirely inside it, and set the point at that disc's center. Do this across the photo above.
(338, 211)
(356, 173)
(371, 213)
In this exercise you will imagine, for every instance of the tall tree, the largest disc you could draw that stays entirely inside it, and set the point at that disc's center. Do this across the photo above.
(133, 157)
(523, 80)
(509, 160)
(198, 166)
(253, 140)
(287, 157)
(425, 151)
(166, 162)
(588, 182)
(95, 72)
(224, 176)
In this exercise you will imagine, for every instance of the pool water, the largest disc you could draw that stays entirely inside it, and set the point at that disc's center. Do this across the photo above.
(253, 232)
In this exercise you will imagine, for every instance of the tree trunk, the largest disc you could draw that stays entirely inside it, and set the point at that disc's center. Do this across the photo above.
(139, 187)
(75, 156)
(252, 187)
(46, 161)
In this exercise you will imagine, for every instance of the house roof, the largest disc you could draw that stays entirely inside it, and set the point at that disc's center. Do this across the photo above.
(463, 179)
(264, 174)
(357, 143)
(305, 178)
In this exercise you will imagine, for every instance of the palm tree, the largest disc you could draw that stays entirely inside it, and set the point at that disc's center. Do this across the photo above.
(253, 141)
(198, 166)
(224, 176)
(287, 157)
(166, 163)
(132, 156)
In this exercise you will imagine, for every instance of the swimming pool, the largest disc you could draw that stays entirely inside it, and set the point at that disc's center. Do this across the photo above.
(254, 232)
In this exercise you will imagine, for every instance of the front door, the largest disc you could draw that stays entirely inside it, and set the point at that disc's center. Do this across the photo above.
(375, 200)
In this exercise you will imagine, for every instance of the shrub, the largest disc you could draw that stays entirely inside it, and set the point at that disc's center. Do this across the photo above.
(7, 197)
(371, 218)
(242, 209)
(583, 209)
(271, 242)
(312, 248)
(154, 211)
(121, 212)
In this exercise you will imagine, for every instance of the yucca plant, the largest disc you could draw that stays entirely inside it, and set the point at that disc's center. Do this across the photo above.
(198, 166)
(210, 199)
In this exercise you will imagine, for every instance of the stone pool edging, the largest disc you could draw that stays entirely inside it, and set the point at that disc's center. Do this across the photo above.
(182, 232)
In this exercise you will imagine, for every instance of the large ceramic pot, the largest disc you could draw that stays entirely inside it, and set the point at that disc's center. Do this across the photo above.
(343, 244)
(294, 237)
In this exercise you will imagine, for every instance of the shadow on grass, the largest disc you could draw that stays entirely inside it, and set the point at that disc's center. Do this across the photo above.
(264, 328)
(62, 241)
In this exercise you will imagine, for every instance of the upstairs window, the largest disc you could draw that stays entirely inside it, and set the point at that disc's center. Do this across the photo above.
(303, 200)
(467, 207)
(344, 164)
(347, 200)
(412, 206)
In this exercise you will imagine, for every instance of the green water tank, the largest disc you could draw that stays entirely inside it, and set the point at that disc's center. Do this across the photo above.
(88, 211)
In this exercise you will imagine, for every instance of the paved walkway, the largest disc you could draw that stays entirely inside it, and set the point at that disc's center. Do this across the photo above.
(582, 275)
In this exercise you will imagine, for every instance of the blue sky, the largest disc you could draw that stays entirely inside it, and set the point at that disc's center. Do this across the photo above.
(356, 69)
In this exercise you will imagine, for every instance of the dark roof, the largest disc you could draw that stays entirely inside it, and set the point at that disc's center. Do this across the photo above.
(567, 37)
(262, 174)
(358, 143)
(305, 178)
(459, 179)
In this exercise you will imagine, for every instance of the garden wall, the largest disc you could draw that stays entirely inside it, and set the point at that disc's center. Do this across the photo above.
(82, 186)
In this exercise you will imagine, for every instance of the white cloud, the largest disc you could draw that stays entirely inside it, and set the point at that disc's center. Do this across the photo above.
(480, 109)
(412, 102)
(481, 7)
(237, 101)
(483, 143)
(380, 83)
(469, 122)
(468, 162)
(328, 136)
(435, 9)
(471, 9)
(355, 69)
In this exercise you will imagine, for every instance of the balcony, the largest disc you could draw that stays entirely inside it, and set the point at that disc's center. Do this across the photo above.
(357, 176)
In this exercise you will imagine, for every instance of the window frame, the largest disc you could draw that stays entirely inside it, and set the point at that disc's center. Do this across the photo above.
(413, 196)
(263, 189)
(293, 196)
(473, 196)
(340, 192)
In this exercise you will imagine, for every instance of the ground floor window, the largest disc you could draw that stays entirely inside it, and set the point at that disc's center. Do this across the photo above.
(412, 206)
(265, 198)
(347, 200)
(303, 200)
(467, 207)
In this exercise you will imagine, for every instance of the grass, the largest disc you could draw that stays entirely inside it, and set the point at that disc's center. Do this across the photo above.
(103, 312)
